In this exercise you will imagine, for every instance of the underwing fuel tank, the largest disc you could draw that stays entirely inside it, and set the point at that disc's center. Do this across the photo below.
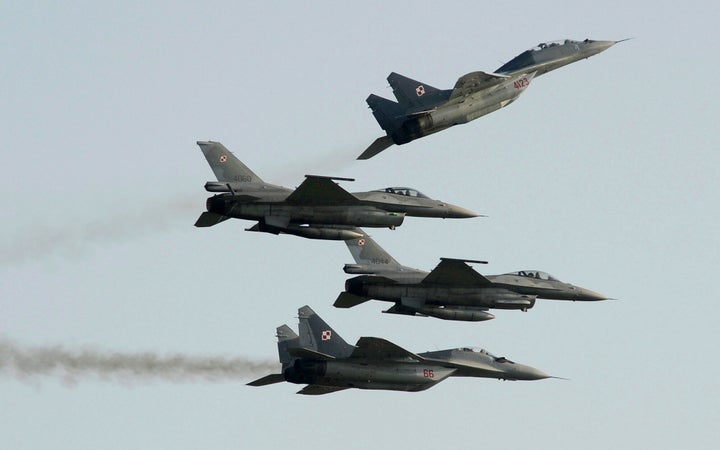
(323, 233)
(465, 315)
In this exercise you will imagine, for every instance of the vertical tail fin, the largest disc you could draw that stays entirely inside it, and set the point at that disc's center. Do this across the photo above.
(316, 334)
(225, 165)
(286, 339)
(366, 251)
(388, 114)
(412, 94)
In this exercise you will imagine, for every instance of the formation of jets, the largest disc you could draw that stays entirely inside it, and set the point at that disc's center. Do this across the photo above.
(320, 209)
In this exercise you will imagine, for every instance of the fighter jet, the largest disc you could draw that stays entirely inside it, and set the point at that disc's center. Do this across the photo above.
(320, 358)
(421, 109)
(317, 209)
(452, 291)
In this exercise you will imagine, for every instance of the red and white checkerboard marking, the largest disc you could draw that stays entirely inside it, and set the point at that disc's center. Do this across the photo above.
(326, 335)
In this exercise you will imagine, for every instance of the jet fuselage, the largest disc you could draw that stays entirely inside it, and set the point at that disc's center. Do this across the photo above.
(373, 209)
(411, 375)
(462, 109)
(506, 291)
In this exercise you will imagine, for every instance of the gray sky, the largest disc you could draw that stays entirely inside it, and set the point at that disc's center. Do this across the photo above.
(604, 173)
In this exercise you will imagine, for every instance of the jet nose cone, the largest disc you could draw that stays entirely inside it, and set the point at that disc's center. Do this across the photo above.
(590, 296)
(528, 373)
(458, 212)
(596, 47)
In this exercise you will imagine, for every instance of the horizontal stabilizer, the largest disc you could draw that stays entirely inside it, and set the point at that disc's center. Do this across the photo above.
(269, 379)
(348, 300)
(455, 272)
(376, 147)
(372, 348)
(208, 219)
(306, 353)
(316, 389)
(320, 190)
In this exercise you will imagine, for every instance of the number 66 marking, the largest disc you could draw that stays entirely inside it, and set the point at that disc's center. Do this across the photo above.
(428, 373)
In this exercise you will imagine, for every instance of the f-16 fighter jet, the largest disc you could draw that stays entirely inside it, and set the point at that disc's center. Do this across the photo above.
(317, 209)
(422, 109)
(320, 358)
(452, 291)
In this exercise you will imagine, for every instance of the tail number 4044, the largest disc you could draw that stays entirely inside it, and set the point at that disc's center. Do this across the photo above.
(521, 83)
(428, 373)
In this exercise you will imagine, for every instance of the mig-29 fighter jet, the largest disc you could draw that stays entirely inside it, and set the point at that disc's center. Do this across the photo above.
(317, 209)
(320, 358)
(421, 109)
(451, 291)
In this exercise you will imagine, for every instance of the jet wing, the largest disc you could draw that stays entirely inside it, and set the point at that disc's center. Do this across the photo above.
(474, 82)
(379, 349)
(455, 272)
(316, 389)
(317, 190)
(268, 379)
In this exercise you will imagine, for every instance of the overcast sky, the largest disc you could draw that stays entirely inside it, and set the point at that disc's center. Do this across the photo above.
(604, 173)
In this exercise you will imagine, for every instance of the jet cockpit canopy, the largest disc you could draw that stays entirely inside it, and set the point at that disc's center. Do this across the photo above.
(482, 351)
(410, 192)
(544, 45)
(537, 274)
